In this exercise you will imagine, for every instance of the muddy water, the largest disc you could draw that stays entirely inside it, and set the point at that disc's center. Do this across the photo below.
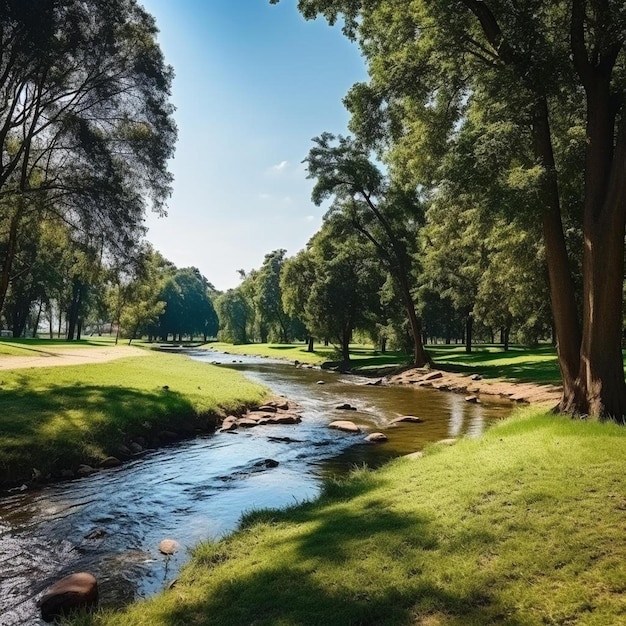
(111, 523)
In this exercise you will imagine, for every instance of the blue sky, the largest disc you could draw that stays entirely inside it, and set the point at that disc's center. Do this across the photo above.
(254, 83)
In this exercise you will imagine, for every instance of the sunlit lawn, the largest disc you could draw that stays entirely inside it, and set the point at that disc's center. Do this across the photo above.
(57, 417)
(524, 526)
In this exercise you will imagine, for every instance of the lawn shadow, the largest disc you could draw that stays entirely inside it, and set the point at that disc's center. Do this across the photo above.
(353, 564)
(536, 365)
(54, 427)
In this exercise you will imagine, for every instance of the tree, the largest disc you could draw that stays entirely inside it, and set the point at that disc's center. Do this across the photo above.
(296, 281)
(85, 123)
(383, 213)
(234, 312)
(268, 297)
(554, 74)
(346, 281)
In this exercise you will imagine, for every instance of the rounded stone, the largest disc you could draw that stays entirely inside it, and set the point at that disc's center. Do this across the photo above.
(74, 592)
(345, 426)
(168, 547)
(376, 438)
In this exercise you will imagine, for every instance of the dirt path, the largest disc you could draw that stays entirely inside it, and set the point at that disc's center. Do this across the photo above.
(477, 386)
(69, 356)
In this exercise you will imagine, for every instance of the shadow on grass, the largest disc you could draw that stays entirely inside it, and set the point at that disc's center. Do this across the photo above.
(334, 562)
(55, 427)
(538, 365)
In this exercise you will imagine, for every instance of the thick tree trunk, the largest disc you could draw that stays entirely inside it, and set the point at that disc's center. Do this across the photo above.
(345, 345)
(383, 345)
(309, 347)
(74, 311)
(562, 292)
(600, 390)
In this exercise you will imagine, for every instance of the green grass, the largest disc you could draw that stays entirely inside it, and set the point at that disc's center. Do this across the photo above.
(41, 346)
(361, 355)
(524, 526)
(58, 417)
(538, 365)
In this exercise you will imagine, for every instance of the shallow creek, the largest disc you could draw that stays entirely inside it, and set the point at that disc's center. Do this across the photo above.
(111, 523)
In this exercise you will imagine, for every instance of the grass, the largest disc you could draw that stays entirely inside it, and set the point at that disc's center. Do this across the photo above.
(362, 356)
(41, 346)
(538, 365)
(58, 417)
(524, 526)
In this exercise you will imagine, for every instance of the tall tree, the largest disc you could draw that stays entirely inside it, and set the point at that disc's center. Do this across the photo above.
(383, 213)
(85, 121)
(549, 70)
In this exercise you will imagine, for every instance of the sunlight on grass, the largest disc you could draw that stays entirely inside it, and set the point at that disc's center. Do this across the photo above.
(523, 526)
(57, 417)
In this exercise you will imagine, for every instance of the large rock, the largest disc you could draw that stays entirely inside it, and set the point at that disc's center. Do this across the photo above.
(472, 399)
(267, 408)
(345, 407)
(286, 418)
(85, 470)
(74, 592)
(345, 425)
(376, 438)
(110, 461)
(432, 376)
(245, 422)
(413, 419)
(168, 547)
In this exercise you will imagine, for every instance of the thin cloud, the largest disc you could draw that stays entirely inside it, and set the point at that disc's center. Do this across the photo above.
(279, 167)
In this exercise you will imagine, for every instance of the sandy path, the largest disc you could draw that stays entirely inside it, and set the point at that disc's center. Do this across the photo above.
(69, 356)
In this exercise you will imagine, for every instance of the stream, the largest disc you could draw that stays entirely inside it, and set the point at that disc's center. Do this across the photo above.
(111, 523)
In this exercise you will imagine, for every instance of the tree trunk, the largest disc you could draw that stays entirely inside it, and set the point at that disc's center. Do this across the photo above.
(9, 255)
(469, 327)
(345, 345)
(36, 326)
(383, 345)
(600, 390)
(310, 343)
(562, 293)
(74, 310)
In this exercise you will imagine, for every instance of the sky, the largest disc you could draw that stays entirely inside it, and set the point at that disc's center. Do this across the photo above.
(254, 84)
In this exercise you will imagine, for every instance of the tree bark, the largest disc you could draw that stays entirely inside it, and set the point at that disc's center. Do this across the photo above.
(562, 292)
(311, 339)
(600, 390)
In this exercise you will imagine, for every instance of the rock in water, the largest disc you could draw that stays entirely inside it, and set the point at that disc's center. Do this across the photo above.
(168, 547)
(376, 438)
(74, 592)
(407, 418)
(345, 425)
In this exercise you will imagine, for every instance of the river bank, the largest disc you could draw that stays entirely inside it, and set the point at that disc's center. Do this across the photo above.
(63, 422)
(521, 526)
(443, 378)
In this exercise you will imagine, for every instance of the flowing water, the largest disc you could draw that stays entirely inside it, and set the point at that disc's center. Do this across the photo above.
(111, 523)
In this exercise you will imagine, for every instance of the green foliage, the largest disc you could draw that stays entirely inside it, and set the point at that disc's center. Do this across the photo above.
(87, 132)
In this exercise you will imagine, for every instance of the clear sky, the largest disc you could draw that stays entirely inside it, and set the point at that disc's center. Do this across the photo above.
(254, 83)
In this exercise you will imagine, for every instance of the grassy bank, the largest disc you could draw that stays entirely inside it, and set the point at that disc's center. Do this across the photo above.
(362, 356)
(524, 526)
(58, 417)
